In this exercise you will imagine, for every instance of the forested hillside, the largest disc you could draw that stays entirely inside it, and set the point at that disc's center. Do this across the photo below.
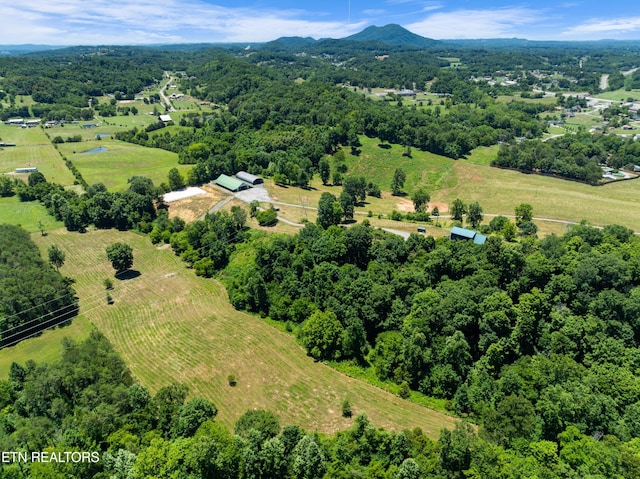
(33, 296)
(85, 416)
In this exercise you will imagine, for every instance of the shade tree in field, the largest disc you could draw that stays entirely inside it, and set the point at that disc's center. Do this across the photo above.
(397, 182)
(524, 213)
(330, 211)
(474, 214)
(56, 256)
(176, 180)
(121, 256)
(458, 209)
(420, 198)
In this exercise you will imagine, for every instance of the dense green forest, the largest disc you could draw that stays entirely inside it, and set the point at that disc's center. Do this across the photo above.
(33, 295)
(88, 403)
(285, 129)
(576, 156)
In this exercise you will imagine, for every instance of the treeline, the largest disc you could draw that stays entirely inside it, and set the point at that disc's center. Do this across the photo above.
(545, 321)
(576, 156)
(136, 207)
(33, 296)
(72, 78)
(129, 433)
(285, 129)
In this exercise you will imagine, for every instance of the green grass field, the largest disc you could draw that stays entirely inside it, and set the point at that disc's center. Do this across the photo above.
(378, 164)
(33, 148)
(170, 325)
(45, 347)
(619, 95)
(26, 214)
(120, 161)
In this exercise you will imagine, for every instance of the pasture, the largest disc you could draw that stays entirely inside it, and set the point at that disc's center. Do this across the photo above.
(119, 162)
(33, 148)
(46, 347)
(170, 325)
(28, 215)
(498, 191)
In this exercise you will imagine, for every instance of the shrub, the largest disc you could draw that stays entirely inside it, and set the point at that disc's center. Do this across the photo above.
(346, 408)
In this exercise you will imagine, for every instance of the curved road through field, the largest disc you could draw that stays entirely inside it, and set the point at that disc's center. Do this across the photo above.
(259, 193)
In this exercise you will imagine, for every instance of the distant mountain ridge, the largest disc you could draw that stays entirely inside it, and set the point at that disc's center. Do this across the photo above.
(392, 34)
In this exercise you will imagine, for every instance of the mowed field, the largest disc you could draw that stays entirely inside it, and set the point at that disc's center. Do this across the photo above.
(44, 348)
(119, 162)
(499, 191)
(33, 148)
(170, 325)
(29, 215)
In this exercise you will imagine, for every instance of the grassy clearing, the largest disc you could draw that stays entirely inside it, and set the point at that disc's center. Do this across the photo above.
(26, 214)
(33, 148)
(170, 325)
(483, 155)
(582, 119)
(378, 164)
(44, 348)
(120, 161)
(619, 95)
(499, 191)
(547, 100)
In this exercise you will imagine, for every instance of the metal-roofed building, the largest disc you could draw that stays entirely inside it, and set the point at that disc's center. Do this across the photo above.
(458, 233)
(249, 178)
(232, 184)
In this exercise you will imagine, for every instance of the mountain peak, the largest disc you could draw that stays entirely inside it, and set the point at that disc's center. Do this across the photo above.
(392, 34)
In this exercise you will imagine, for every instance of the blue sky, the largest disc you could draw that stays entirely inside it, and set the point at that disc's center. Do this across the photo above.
(92, 22)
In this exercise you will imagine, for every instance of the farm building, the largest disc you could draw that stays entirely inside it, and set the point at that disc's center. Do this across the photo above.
(165, 118)
(89, 125)
(458, 233)
(30, 169)
(249, 178)
(232, 184)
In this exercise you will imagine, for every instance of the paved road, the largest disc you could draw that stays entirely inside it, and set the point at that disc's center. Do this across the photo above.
(604, 82)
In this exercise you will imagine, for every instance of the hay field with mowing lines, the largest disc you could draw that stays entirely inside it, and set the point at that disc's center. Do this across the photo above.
(120, 161)
(170, 325)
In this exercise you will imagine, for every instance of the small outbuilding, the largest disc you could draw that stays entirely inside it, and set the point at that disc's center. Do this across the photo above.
(458, 233)
(165, 118)
(249, 178)
(230, 183)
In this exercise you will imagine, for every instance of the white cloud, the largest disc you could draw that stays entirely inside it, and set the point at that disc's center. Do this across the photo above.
(68, 22)
(497, 23)
(599, 28)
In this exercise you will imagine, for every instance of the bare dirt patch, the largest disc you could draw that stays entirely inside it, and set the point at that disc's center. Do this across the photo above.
(195, 207)
(404, 205)
(442, 207)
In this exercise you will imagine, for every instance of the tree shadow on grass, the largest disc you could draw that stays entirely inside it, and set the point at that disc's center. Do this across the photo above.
(128, 274)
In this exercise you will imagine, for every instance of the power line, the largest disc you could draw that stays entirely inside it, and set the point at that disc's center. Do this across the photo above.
(91, 298)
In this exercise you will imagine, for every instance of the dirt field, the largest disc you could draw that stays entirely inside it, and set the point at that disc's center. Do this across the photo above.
(195, 207)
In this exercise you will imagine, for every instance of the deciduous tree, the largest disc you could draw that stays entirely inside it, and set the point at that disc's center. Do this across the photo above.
(121, 256)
